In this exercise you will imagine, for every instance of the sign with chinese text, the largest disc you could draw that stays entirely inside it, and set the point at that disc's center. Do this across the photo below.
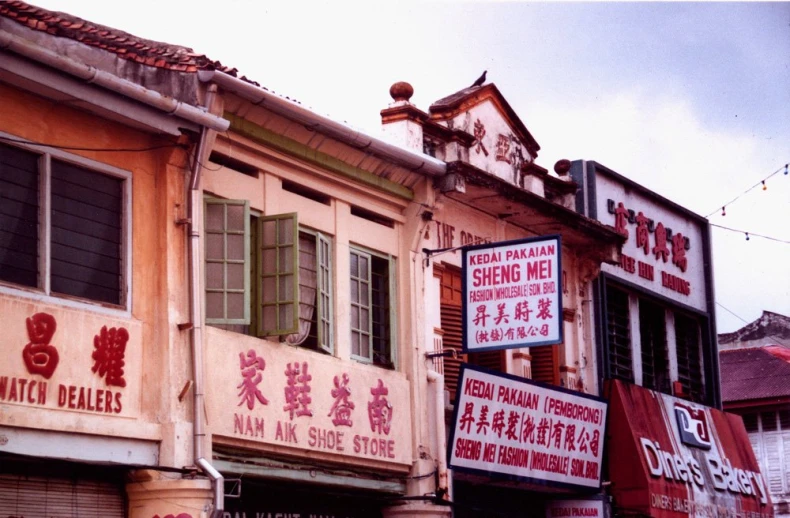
(512, 294)
(686, 459)
(574, 509)
(665, 247)
(293, 400)
(512, 427)
(62, 359)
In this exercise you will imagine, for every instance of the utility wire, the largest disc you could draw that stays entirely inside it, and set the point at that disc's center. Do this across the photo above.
(749, 234)
(761, 182)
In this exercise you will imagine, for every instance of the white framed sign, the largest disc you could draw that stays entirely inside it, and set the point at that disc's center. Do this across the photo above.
(512, 294)
(516, 428)
(574, 509)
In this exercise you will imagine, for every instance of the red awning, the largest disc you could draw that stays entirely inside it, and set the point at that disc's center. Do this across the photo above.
(670, 458)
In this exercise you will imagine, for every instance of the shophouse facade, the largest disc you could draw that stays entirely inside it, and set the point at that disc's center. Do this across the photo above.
(658, 361)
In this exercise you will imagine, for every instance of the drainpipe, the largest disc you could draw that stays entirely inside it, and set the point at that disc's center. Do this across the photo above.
(93, 75)
(195, 317)
(443, 486)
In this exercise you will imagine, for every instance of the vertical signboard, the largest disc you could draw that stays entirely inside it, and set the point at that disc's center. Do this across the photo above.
(512, 294)
(512, 427)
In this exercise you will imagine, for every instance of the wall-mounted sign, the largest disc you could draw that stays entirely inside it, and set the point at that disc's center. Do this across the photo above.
(574, 509)
(512, 427)
(686, 459)
(295, 400)
(512, 294)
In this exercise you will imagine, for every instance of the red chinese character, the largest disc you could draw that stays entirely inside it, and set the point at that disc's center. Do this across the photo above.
(620, 219)
(40, 357)
(512, 421)
(481, 315)
(642, 236)
(595, 442)
(528, 430)
(251, 369)
(570, 437)
(503, 148)
(556, 433)
(544, 309)
(501, 315)
(380, 410)
(480, 132)
(661, 250)
(482, 420)
(342, 407)
(108, 356)
(523, 311)
(297, 390)
(498, 423)
(496, 335)
(679, 251)
(481, 337)
(583, 439)
(467, 418)
(544, 427)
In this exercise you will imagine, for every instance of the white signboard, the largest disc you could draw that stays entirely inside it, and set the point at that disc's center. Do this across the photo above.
(513, 427)
(574, 509)
(512, 294)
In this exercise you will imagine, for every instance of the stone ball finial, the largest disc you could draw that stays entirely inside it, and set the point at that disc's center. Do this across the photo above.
(562, 167)
(401, 91)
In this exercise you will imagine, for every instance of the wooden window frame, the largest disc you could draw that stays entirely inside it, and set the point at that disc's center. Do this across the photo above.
(43, 289)
(391, 313)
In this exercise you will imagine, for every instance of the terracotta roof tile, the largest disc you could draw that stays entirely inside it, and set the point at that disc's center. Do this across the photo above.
(754, 373)
(124, 45)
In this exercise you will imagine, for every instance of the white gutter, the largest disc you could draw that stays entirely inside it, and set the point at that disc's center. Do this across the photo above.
(93, 75)
(195, 317)
(443, 487)
(417, 162)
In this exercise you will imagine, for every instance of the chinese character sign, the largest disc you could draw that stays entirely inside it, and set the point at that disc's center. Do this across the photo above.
(512, 294)
(508, 426)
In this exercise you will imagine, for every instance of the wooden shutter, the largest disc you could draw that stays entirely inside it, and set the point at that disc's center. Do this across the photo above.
(85, 256)
(545, 363)
(45, 497)
(620, 365)
(324, 294)
(451, 323)
(278, 267)
(19, 185)
(653, 335)
(227, 252)
(687, 340)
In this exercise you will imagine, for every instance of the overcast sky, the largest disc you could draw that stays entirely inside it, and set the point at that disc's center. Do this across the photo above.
(691, 100)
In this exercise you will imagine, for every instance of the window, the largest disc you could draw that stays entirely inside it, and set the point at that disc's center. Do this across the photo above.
(266, 276)
(653, 335)
(372, 296)
(61, 226)
(619, 335)
(769, 433)
(689, 354)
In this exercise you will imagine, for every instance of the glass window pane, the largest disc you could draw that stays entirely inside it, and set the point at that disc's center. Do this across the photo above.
(269, 261)
(286, 316)
(364, 295)
(269, 234)
(236, 217)
(286, 287)
(784, 419)
(355, 343)
(364, 319)
(354, 317)
(236, 247)
(215, 276)
(269, 289)
(269, 317)
(354, 291)
(215, 217)
(750, 422)
(769, 421)
(235, 305)
(363, 268)
(287, 260)
(354, 265)
(215, 246)
(215, 305)
(235, 276)
(285, 235)
(364, 345)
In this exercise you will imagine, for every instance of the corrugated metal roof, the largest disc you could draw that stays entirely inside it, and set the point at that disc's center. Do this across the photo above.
(755, 373)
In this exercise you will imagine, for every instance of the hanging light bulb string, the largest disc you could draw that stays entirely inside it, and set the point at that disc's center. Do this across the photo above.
(750, 234)
(758, 184)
